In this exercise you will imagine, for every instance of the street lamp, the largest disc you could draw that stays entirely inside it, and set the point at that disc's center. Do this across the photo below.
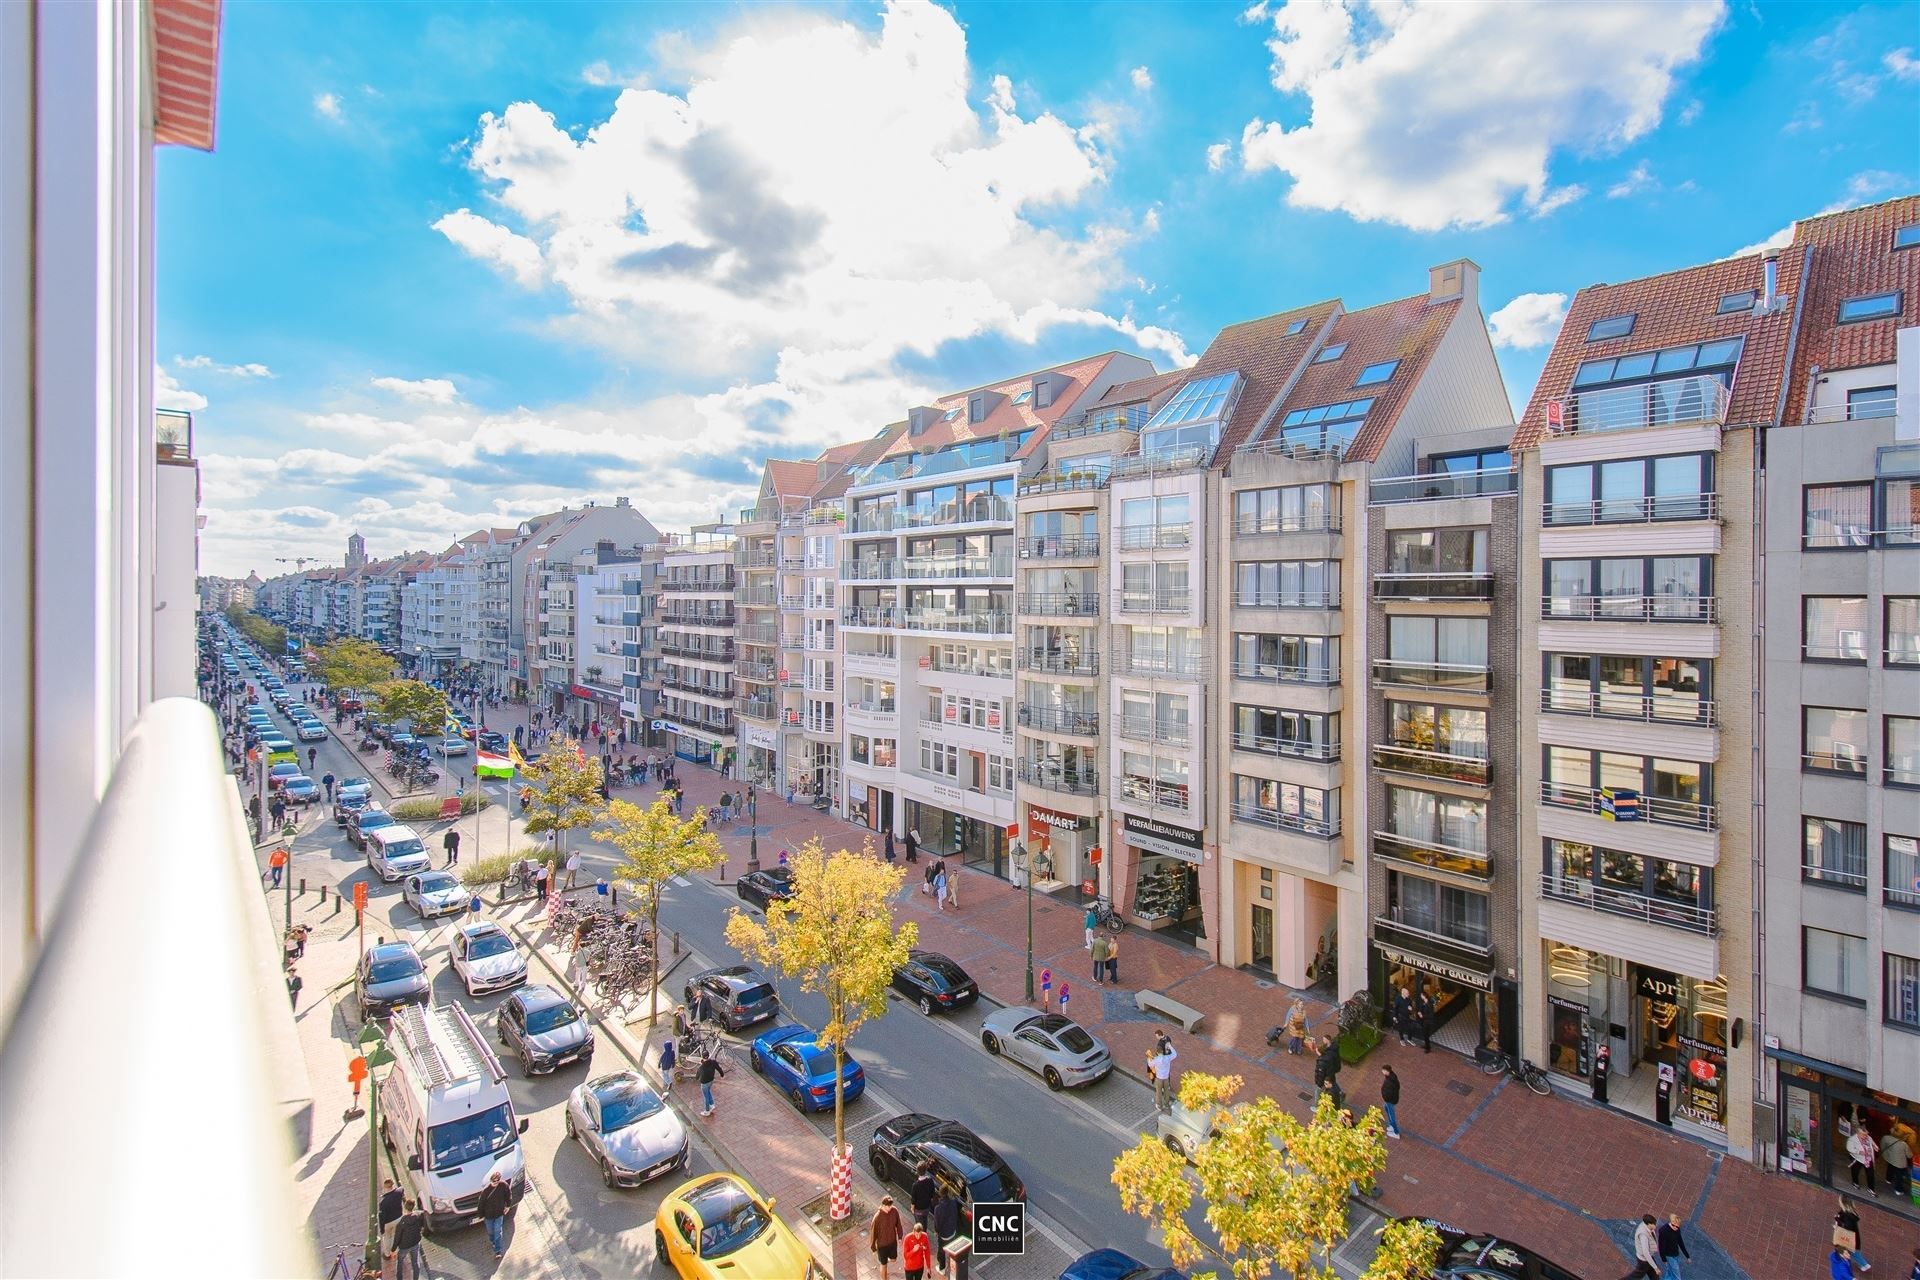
(753, 829)
(1024, 861)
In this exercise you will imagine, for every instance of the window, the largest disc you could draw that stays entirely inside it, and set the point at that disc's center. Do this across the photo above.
(1286, 584)
(1437, 551)
(1907, 237)
(1902, 751)
(1834, 852)
(1632, 687)
(1833, 964)
(1902, 631)
(1042, 394)
(1286, 805)
(1717, 357)
(1287, 659)
(1873, 306)
(1023, 397)
(1658, 588)
(939, 759)
(977, 409)
(1833, 629)
(1435, 653)
(1470, 461)
(1284, 510)
(1448, 822)
(1899, 512)
(1900, 883)
(1732, 302)
(1900, 991)
(1837, 516)
(1869, 402)
(1326, 426)
(950, 415)
(1272, 731)
(1375, 373)
(1457, 732)
(1297, 326)
(1439, 909)
(1610, 327)
(1833, 740)
(1155, 522)
(1331, 353)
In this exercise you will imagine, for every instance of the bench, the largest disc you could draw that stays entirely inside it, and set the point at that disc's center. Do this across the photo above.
(1154, 1002)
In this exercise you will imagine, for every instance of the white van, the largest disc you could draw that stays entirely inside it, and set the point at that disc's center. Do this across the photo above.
(445, 1115)
(395, 851)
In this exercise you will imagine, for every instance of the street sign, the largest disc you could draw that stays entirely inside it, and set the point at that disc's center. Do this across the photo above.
(360, 896)
(356, 1072)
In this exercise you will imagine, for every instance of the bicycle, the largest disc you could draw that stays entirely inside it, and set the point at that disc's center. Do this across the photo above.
(1109, 918)
(355, 1270)
(1520, 1069)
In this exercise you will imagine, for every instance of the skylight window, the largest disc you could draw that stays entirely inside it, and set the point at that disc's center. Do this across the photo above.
(1193, 416)
(1703, 357)
(1298, 326)
(950, 415)
(1907, 237)
(1346, 411)
(1732, 302)
(1329, 354)
(1023, 397)
(1876, 306)
(1610, 327)
(1376, 373)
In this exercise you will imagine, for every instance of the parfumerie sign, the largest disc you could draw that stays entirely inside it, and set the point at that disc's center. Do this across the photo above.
(1162, 838)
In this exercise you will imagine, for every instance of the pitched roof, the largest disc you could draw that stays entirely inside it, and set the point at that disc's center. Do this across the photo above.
(1853, 256)
(1141, 388)
(1003, 415)
(1265, 356)
(792, 479)
(1408, 331)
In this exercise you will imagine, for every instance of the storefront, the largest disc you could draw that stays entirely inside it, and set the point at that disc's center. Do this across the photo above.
(1062, 844)
(1166, 877)
(761, 764)
(869, 805)
(1473, 1012)
(946, 833)
(687, 744)
(1820, 1107)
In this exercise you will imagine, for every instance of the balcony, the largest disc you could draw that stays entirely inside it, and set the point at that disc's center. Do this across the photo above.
(1079, 662)
(1048, 719)
(1288, 748)
(1065, 604)
(1152, 537)
(1642, 510)
(1283, 599)
(1633, 906)
(1433, 586)
(1052, 775)
(1184, 457)
(975, 511)
(758, 708)
(992, 622)
(755, 598)
(792, 564)
(1670, 402)
(868, 615)
(723, 621)
(709, 586)
(869, 569)
(1177, 733)
(698, 653)
(1279, 820)
(1654, 809)
(1058, 546)
(1455, 677)
(1441, 485)
(1170, 600)
(1396, 758)
(698, 689)
(1163, 666)
(758, 672)
(1470, 955)
(759, 559)
(1155, 793)
(1267, 526)
(1665, 608)
(790, 603)
(945, 568)
(1658, 708)
(1067, 482)
(1436, 857)
(1280, 673)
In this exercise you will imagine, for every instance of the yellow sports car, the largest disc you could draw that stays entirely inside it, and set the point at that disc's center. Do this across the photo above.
(718, 1227)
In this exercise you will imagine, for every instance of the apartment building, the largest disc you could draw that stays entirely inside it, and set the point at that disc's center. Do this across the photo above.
(547, 599)
(1839, 612)
(697, 649)
(608, 587)
(926, 625)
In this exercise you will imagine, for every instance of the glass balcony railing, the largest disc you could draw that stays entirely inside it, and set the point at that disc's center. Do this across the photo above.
(1291, 748)
(1177, 733)
(1433, 586)
(1071, 604)
(867, 569)
(1639, 510)
(1457, 676)
(1165, 600)
(1659, 810)
(1055, 775)
(1060, 662)
(1059, 546)
(1426, 853)
(1282, 820)
(943, 567)
(1147, 537)
(1064, 481)
(971, 622)
(1657, 708)
(1441, 485)
(1284, 673)
(1156, 793)
(1631, 608)
(1668, 402)
(1048, 719)
(1163, 666)
(1471, 770)
(1634, 906)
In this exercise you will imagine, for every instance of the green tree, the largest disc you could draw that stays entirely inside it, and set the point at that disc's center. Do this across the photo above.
(1276, 1188)
(268, 637)
(836, 934)
(655, 847)
(563, 789)
(350, 663)
(418, 703)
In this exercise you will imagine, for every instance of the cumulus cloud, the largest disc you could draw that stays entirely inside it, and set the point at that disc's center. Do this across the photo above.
(1217, 156)
(428, 390)
(1434, 116)
(495, 245)
(1530, 320)
(208, 363)
(169, 394)
(1142, 78)
(1902, 65)
(1862, 188)
(328, 105)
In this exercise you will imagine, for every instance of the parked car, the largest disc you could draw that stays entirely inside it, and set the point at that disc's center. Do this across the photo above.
(627, 1129)
(545, 1029)
(740, 997)
(1111, 1264)
(492, 742)
(718, 1226)
(435, 893)
(390, 974)
(801, 1068)
(935, 983)
(455, 746)
(368, 819)
(300, 789)
(394, 851)
(1062, 1051)
(353, 788)
(311, 731)
(1470, 1255)
(485, 959)
(760, 888)
(962, 1162)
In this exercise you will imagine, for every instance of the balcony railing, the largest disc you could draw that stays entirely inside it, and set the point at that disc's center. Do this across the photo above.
(1842, 758)
(1081, 662)
(946, 567)
(1162, 461)
(1071, 604)
(1079, 780)
(698, 619)
(758, 672)
(1255, 526)
(1293, 748)
(991, 622)
(1168, 600)
(1178, 733)
(1655, 809)
(1460, 677)
(755, 597)
(757, 709)
(1433, 586)
(697, 653)
(1659, 708)
(1396, 758)
(869, 615)
(1426, 853)
(1475, 952)
(1280, 599)
(1154, 793)
(1634, 906)
(1669, 402)
(1161, 666)
(1063, 483)
(1326, 446)
(1665, 608)
(1278, 820)
(865, 569)
(1145, 537)
(710, 586)
(1061, 546)
(789, 603)
(167, 843)
(1641, 510)
(1440, 485)
(820, 683)
(1084, 724)
(973, 511)
(1280, 673)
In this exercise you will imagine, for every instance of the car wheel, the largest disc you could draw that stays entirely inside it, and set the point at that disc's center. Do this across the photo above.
(879, 1165)
(753, 1060)
(990, 1042)
(799, 1098)
(926, 1005)
(659, 1249)
(1053, 1079)
(606, 1172)
(571, 1131)
(1173, 1145)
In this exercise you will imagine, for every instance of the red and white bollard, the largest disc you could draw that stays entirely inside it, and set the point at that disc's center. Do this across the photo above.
(840, 1201)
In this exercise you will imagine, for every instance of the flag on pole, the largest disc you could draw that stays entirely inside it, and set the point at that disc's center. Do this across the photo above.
(488, 765)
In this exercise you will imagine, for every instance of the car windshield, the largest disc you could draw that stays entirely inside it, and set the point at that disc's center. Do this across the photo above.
(624, 1104)
(355, 784)
(1074, 1040)
(405, 849)
(552, 1018)
(436, 883)
(755, 994)
(488, 944)
(733, 1220)
(819, 1061)
(375, 818)
(394, 968)
(471, 1137)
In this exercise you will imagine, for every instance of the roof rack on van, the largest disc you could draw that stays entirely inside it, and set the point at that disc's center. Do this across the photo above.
(447, 1044)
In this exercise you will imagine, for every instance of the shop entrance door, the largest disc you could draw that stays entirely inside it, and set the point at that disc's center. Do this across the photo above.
(886, 810)
(1262, 938)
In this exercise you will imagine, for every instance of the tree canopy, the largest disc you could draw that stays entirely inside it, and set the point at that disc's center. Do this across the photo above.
(655, 847)
(350, 663)
(266, 636)
(563, 788)
(416, 702)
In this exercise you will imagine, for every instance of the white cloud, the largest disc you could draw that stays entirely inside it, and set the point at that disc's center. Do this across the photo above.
(1433, 116)
(1639, 178)
(1217, 156)
(1255, 12)
(1691, 112)
(515, 255)
(426, 390)
(1142, 78)
(1902, 64)
(229, 370)
(1530, 320)
(598, 74)
(169, 394)
(1862, 188)
(328, 105)
(1554, 199)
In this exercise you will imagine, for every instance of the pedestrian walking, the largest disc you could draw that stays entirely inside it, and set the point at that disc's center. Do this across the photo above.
(1846, 1233)
(1423, 1015)
(940, 889)
(573, 868)
(710, 1070)
(496, 1198)
(1099, 959)
(883, 1235)
(1898, 1154)
(1113, 958)
(277, 809)
(1390, 1099)
(392, 1205)
(277, 865)
(913, 844)
(1646, 1251)
(1326, 1063)
(542, 874)
(293, 990)
(1403, 1014)
(922, 1195)
(889, 847)
(1092, 921)
(1672, 1243)
(451, 843)
(1160, 1061)
(408, 1234)
(946, 1225)
(1297, 1027)
(916, 1248)
(327, 781)
(313, 758)
(1862, 1152)
(1840, 1264)
(933, 869)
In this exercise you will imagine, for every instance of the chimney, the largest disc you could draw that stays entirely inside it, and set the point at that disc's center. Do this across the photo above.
(1770, 295)
(1457, 279)
(622, 502)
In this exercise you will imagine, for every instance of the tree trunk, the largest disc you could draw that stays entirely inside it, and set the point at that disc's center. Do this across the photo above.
(653, 964)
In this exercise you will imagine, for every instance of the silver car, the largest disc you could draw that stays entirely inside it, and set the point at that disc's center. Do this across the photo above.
(1060, 1049)
(435, 893)
(627, 1129)
(485, 959)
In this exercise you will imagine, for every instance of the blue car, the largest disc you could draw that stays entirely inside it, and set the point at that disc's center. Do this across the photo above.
(790, 1057)
(1111, 1264)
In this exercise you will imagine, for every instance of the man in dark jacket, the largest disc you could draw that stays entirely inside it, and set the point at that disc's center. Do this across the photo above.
(1423, 1014)
(451, 843)
(1389, 1099)
(392, 1203)
(1673, 1246)
(710, 1070)
(946, 1225)
(495, 1199)
(408, 1233)
(924, 1193)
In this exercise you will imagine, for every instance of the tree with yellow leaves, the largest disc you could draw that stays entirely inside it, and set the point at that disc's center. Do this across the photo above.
(657, 847)
(563, 789)
(1275, 1188)
(836, 934)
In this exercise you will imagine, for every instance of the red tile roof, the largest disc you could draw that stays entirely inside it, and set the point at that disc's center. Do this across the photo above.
(1408, 331)
(1004, 415)
(1852, 256)
(1265, 356)
(1142, 388)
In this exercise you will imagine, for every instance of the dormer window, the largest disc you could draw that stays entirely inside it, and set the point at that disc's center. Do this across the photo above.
(1610, 327)
(1329, 354)
(1043, 393)
(1298, 326)
(977, 409)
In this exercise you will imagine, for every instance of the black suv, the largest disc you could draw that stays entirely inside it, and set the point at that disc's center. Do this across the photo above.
(934, 983)
(962, 1162)
(390, 975)
(545, 1029)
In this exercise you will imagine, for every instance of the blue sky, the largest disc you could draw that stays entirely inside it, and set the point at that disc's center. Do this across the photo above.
(452, 265)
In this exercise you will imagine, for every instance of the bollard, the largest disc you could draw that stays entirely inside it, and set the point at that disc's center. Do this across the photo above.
(323, 893)
(676, 942)
(336, 904)
(303, 886)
